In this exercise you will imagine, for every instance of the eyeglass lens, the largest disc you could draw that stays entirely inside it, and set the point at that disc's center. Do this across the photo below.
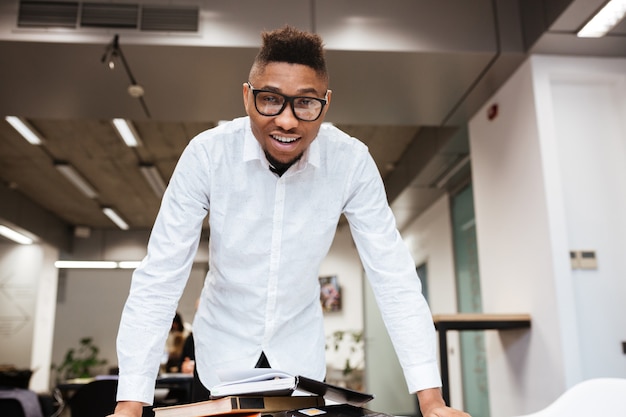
(271, 104)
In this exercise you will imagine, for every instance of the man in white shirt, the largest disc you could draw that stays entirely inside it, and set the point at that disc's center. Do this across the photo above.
(273, 185)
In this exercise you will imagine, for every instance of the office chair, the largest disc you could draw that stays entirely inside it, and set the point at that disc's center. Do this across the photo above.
(19, 402)
(594, 397)
(95, 399)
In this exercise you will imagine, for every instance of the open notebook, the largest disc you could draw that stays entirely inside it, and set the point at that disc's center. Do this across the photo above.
(267, 382)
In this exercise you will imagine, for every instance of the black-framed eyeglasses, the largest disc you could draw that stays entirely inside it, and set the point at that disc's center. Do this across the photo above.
(271, 103)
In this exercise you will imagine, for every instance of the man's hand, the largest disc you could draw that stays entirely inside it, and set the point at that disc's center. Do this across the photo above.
(432, 405)
(128, 409)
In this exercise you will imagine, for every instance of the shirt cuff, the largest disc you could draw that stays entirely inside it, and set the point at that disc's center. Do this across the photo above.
(135, 388)
(422, 377)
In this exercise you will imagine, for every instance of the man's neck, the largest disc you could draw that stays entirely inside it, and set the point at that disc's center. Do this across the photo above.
(279, 168)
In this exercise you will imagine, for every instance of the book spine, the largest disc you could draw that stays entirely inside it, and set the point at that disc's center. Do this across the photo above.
(250, 403)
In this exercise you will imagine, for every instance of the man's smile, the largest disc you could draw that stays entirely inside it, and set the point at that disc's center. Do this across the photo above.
(284, 139)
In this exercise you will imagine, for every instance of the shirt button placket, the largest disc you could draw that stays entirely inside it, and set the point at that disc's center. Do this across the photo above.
(275, 250)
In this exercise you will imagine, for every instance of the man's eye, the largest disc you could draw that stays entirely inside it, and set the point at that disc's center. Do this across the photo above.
(271, 99)
(304, 102)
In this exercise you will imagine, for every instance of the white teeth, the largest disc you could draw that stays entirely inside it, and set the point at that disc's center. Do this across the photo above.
(283, 139)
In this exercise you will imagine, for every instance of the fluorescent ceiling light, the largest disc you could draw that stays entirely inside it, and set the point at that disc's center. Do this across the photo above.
(151, 173)
(115, 218)
(604, 20)
(26, 130)
(128, 264)
(15, 236)
(75, 178)
(85, 264)
(127, 132)
(96, 264)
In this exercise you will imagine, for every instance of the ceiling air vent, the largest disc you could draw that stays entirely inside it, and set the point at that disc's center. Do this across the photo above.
(110, 15)
(47, 14)
(74, 14)
(169, 18)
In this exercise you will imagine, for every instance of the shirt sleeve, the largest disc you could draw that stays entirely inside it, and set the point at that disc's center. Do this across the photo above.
(159, 281)
(392, 274)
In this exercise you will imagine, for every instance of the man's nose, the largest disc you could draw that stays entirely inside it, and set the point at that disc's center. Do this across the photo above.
(287, 119)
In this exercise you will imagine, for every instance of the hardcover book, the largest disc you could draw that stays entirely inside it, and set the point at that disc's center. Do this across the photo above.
(248, 406)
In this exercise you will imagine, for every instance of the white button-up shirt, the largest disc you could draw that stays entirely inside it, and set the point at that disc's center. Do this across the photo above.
(268, 237)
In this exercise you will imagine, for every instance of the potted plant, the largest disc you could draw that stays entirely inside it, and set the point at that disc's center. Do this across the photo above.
(348, 343)
(80, 362)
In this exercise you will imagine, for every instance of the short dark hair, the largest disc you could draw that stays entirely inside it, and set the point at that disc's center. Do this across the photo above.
(293, 46)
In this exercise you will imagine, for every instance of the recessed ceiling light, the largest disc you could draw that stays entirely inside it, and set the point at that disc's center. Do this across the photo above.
(151, 173)
(25, 129)
(85, 264)
(127, 132)
(75, 178)
(14, 235)
(128, 264)
(115, 218)
(96, 264)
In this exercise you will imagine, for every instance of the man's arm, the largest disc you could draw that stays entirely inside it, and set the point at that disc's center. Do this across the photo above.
(432, 404)
(391, 272)
(159, 281)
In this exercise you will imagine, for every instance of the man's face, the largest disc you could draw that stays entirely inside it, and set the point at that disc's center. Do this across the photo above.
(283, 136)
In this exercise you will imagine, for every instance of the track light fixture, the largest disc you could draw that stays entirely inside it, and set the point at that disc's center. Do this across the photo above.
(112, 53)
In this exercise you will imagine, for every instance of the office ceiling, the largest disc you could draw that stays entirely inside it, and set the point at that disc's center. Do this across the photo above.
(406, 76)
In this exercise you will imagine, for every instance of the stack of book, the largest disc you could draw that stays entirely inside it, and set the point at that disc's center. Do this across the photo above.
(268, 392)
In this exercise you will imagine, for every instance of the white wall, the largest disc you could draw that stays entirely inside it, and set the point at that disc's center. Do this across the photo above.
(43, 332)
(27, 291)
(531, 209)
(589, 114)
(89, 304)
(515, 253)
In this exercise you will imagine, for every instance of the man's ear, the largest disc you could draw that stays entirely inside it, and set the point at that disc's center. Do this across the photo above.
(329, 93)
(246, 88)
